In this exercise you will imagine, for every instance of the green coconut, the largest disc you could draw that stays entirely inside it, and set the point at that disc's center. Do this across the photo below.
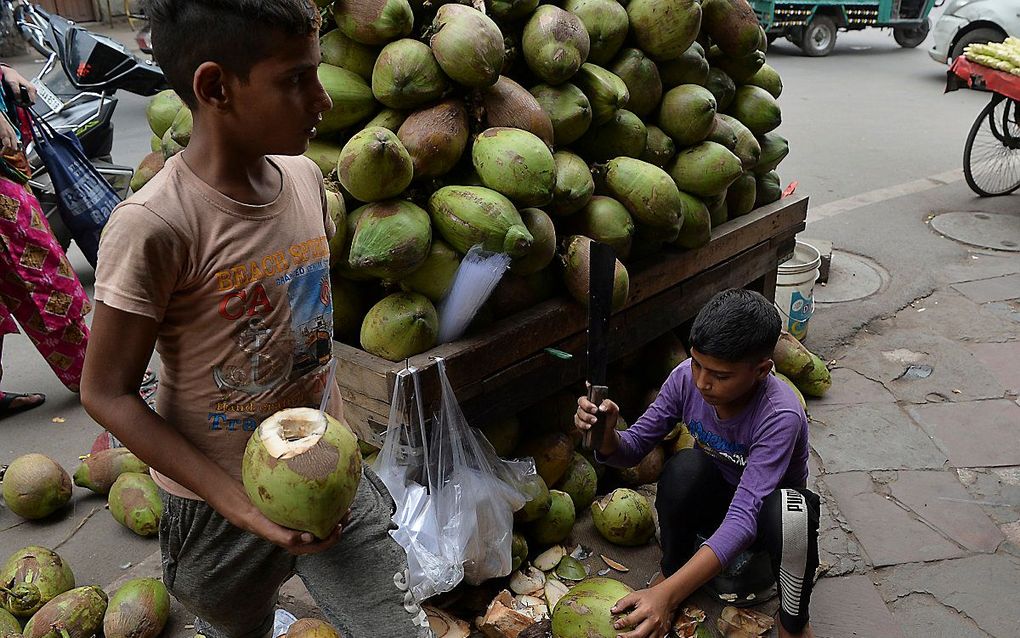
(77, 613)
(586, 609)
(552, 452)
(147, 169)
(624, 135)
(340, 252)
(659, 147)
(156, 144)
(817, 381)
(302, 470)
(135, 503)
(768, 79)
(741, 195)
(741, 69)
(624, 517)
(791, 358)
(733, 26)
(30, 578)
(756, 109)
(605, 91)
(161, 111)
(555, 44)
(387, 118)
(374, 165)
(723, 133)
(518, 551)
(98, 471)
(400, 326)
(687, 114)
(325, 155)
(468, 45)
(169, 146)
(511, 9)
(515, 163)
(373, 22)
(391, 239)
(339, 50)
(504, 434)
(9, 625)
(774, 149)
(351, 95)
(435, 137)
(139, 609)
(543, 248)
(696, 229)
(348, 308)
(469, 215)
(311, 628)
(717, 209)
(641, 76)
(747, 148)
(407, 76)
(705, 170)
(35, 486)
(183, 124)
(664, 29)
(434, 276)
(556, 524)
(646, 472)
(568, 108)
(769, 189)
(538, 501)
(689, 68)
(607, 24)
(721, 85)
(579, 482)
(606, 220)
(337, 210)
(508, 104)
(800, 397)
(647, 191)
(576, 273)
(574, 184)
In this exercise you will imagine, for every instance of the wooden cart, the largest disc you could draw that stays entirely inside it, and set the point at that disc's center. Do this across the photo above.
(506, 367)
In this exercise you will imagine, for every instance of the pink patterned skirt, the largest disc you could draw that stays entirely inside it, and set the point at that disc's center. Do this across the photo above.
(38, 288)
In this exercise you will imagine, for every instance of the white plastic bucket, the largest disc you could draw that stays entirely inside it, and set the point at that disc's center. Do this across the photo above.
(795, 288)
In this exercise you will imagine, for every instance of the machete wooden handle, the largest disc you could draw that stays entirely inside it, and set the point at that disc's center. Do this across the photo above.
(593, 436)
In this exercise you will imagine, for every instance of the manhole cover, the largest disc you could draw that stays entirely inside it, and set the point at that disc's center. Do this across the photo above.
(987, 230)
(851, 277)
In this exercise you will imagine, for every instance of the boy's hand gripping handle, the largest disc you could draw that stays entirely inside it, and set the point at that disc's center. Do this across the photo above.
(593, 436)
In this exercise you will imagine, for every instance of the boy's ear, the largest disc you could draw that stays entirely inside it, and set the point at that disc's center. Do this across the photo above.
(762, 370)
(210, 85)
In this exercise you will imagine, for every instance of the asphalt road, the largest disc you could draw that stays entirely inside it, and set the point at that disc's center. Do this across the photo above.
(870, 116)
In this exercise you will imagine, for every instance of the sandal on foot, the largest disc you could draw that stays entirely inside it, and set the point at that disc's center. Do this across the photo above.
(7, 399)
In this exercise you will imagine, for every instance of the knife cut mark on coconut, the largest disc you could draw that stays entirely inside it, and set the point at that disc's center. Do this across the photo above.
(292, 432)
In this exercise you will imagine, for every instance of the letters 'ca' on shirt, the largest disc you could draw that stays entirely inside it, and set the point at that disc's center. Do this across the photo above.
(242, 297)
(762, 449)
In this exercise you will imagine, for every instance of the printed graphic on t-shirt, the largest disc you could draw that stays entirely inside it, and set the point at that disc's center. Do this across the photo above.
(718, 446)
(268, 354)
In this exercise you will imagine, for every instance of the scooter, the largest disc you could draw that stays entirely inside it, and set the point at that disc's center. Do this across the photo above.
(76, 91)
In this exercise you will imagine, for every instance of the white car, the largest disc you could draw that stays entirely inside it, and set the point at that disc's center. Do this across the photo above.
(967, 21)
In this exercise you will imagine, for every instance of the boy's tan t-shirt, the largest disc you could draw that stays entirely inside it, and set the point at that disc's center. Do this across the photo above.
(242, 297)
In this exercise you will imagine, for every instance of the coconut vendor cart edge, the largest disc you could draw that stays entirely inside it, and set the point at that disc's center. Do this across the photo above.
(518, 361)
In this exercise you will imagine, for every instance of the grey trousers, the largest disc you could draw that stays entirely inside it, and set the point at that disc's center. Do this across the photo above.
(231, 579)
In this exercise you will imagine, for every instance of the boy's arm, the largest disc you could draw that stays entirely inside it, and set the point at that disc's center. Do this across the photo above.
(648, 431)
(120, 346)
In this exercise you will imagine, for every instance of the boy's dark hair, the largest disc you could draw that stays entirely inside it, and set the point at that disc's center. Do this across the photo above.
(233, 33)
(737, 325)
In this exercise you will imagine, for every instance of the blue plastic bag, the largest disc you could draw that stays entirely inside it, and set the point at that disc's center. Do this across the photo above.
(84, 198)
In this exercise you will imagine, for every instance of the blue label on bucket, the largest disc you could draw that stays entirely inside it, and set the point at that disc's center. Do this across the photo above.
(801, 310)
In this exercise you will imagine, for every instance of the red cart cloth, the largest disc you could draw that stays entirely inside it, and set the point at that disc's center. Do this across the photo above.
(971, 75)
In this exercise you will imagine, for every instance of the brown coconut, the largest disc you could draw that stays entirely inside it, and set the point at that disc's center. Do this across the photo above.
(553, 453)
(509, 104)
(435, 137)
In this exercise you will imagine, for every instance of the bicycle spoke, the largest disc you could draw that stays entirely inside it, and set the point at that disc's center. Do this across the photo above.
(992, 155)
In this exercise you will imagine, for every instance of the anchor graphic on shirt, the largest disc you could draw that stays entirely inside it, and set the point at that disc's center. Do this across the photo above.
(252, 339)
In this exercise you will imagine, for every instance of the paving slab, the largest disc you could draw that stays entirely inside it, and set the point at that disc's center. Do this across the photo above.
(940, 499)
(973, 434)
(1002, 360)
(950, 314)
(991, 289)
(851, 607)
(983, 588)
(878, 436)
(922, 616)
(997, 489)
(953, 372)
(890, 534)
(852, 388)
(980, 264)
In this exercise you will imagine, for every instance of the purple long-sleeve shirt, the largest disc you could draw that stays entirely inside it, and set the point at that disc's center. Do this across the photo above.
(759, 451)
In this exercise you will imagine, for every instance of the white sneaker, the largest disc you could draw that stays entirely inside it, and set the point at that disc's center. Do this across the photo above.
(282, 622)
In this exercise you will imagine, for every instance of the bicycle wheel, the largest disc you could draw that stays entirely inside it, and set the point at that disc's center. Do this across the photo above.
(991, 157)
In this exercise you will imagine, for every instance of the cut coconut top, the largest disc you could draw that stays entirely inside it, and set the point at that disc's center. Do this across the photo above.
(291, 432)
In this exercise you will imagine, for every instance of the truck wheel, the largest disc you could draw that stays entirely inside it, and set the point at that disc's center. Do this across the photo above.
(819, 37)
(979, 36)
(908, 38)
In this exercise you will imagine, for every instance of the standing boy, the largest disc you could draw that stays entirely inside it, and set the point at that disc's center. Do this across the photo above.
(221, 264)
(743, 484)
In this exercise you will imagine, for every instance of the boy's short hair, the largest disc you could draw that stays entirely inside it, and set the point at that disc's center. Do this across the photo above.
(737, 325)
(232, 33)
